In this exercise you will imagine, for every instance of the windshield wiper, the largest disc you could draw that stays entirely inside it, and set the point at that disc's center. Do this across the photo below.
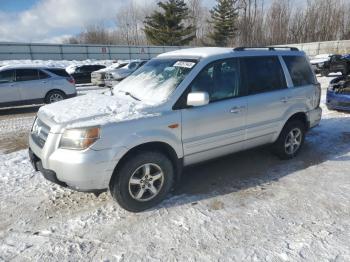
(131, 95)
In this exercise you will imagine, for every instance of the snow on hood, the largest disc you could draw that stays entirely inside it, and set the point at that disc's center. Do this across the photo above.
(319, 60)
(94, 109)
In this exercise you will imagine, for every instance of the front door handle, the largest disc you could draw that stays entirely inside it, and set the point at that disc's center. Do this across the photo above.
(236, 109)
(285, 99)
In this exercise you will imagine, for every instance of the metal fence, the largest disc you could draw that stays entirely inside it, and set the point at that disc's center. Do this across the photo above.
(329, 47)
(22, 51)
(31, 51)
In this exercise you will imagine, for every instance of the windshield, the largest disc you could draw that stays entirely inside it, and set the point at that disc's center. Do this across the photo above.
(156, 80)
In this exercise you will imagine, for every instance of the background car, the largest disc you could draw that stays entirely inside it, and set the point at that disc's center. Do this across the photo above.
(338, 94)
(334, 64)
(117, 75)
(98, 77)
(20, 85)
(82, 74)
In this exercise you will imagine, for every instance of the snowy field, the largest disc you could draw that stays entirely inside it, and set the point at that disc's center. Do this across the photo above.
(244, 207)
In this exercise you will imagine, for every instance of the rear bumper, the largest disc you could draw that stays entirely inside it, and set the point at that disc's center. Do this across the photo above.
(314, 117)
(72, 95)
(336, 101)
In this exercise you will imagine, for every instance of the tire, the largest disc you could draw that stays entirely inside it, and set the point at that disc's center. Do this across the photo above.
(324, 73)
(54, 96)
(281, 148)
(345, 72)
(131, 178)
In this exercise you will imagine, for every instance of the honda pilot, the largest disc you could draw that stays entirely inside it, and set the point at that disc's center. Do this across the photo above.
(179, 109)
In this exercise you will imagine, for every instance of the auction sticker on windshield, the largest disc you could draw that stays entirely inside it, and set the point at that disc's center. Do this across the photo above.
(184, 64)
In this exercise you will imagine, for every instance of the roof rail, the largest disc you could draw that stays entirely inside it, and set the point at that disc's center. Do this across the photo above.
(269, 48)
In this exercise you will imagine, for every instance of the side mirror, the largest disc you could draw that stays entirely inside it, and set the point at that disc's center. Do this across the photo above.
(198, 99)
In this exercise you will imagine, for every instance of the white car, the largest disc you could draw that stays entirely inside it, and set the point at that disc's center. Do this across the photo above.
(115, 76)
(98, 77)
(26, 84)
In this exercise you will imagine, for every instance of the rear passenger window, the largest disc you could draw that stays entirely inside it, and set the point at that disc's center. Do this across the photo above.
(27, 74)
(263, 74)
(58, 72)
(43, 75)
(221, 80)
(7, 76)
(299, 70)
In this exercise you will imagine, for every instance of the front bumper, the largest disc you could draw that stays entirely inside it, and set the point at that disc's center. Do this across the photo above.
(88, 170)
(336, 101)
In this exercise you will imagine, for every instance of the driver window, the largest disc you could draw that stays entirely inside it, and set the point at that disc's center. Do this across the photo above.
(221, 80)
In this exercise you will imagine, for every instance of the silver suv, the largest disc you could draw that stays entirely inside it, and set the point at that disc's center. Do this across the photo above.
(179, 109)
(27, 84)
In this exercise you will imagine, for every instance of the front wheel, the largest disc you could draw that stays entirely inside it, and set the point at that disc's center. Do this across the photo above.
(142, 181)
(290, 140)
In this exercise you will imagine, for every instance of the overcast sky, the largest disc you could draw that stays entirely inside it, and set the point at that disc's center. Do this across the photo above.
(52, 20)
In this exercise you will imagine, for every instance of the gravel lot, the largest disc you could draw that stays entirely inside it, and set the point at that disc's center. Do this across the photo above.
(244, 207)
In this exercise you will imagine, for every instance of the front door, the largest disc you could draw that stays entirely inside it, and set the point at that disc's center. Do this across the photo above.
(217, 128)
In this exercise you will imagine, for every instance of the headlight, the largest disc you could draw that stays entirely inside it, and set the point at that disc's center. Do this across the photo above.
(320, 64)
(79, 138)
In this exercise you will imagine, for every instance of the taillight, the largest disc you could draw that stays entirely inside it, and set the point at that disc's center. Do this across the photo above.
(71, 80)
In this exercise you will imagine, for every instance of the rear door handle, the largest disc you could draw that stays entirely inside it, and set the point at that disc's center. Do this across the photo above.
(284, 99)
(236, 109)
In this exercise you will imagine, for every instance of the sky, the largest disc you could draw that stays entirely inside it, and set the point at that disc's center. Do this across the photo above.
(50, 21)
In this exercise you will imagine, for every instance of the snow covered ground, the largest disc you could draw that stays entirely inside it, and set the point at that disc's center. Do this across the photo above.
(244, 207)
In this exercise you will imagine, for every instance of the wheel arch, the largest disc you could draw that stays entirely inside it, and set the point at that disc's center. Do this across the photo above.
(54, 90)
(302, 116)
(158, 146)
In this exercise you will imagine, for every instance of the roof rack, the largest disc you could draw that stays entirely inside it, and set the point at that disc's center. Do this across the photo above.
(269, 48)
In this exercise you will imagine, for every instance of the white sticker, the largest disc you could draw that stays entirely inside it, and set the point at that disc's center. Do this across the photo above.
(184, 64)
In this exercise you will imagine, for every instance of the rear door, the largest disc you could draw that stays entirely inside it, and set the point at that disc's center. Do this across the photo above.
(268, 98)
(304, 91)
(217, 128)
(8, 89)
(32, 84)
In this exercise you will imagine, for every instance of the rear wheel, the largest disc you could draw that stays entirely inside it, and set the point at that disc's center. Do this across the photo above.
(142, 181)
(290, 140)
(54, 96)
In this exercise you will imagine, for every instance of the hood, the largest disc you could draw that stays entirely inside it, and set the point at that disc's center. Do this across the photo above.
(121, 72)
(94, 109)
(318, 60)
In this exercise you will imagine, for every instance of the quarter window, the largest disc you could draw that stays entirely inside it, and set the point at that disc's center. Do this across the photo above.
(43, 75)
(27, 74)
(7, 76)
(221, 80)
(299, 70)
(263, 74)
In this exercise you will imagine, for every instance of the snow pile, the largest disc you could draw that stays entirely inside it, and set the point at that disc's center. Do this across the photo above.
(56, 63)
(95, 108)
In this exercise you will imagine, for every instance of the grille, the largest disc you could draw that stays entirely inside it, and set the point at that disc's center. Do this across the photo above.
(40, 132)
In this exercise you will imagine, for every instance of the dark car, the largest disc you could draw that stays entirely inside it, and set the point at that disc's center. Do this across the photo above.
(336, 63)
(338, 94)
(82, 74)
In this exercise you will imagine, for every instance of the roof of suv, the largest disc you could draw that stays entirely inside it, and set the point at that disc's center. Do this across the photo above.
(203, 52)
